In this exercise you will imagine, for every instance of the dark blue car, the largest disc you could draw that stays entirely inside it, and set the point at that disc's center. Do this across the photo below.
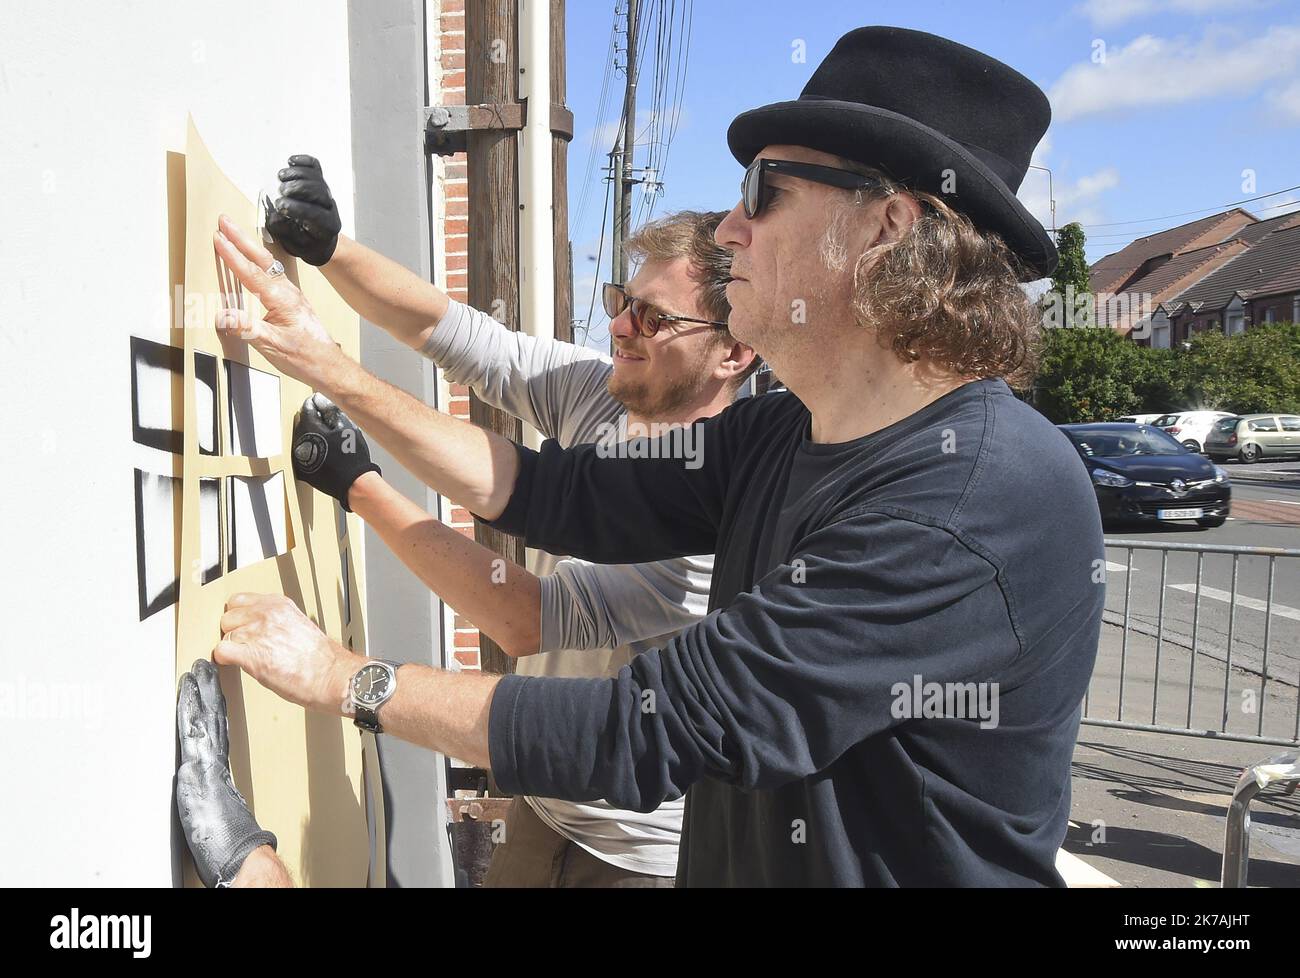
(1143, 475)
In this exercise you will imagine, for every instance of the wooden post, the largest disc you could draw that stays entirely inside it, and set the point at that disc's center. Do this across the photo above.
(491, 72)
(560, 184)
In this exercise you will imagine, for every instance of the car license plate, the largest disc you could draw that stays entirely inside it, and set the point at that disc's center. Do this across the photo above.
(1179, 514)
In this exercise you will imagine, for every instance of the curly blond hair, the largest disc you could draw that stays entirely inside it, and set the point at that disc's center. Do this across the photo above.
(944, 292)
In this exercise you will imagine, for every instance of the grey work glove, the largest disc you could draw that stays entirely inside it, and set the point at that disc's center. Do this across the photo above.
(329, 451)
(218, 827)
(304, 220)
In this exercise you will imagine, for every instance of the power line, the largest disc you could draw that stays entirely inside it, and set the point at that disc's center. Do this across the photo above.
(589, 169)
(1202, 210)
(604, 215)
(672, 62)
(1124, 240)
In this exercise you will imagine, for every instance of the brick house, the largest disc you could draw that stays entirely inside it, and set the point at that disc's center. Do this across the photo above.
(1260, 284)
(1227, 271)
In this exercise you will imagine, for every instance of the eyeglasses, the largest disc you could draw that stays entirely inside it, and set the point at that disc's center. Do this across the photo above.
(645, 317)
(753, 183)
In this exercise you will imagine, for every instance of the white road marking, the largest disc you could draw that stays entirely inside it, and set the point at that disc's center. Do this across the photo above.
(1255, 604)
(1284, 502)
(1115, 568)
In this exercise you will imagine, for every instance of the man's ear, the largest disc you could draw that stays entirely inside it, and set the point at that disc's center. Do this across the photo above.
(900, 212)
(738, 356)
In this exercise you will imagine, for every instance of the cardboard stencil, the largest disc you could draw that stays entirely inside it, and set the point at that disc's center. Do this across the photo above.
(308, 777)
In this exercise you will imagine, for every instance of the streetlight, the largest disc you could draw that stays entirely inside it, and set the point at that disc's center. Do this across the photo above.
(1051, 196)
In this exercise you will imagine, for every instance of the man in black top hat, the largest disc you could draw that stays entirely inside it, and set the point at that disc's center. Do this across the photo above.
(909, 577)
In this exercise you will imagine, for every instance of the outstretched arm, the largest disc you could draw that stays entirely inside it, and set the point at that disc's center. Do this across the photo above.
(497, 595)
(474, 467)
(389, 295)
(772, 688)
(583, 606)
(305, 222)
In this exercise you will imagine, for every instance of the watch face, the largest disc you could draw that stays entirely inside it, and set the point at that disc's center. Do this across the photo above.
(371, 684)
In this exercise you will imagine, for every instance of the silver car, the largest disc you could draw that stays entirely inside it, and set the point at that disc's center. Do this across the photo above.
(1251, 437)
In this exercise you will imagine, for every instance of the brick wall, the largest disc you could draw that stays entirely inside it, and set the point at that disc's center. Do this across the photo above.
(454, 189)
(1283, 308)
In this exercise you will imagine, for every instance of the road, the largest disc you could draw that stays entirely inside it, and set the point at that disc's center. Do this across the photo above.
(1148, 808)
(1259, 639)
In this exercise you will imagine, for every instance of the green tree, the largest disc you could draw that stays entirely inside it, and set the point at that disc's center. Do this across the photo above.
(1073, 266)
(1161, 381)
(1070, 294)
(1089, 375)
(1254, 371)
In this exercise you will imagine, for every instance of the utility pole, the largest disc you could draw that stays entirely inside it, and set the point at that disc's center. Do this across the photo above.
(560, 182)
(1051, 195)
(491, 69)
(489, 125)
(622, 173)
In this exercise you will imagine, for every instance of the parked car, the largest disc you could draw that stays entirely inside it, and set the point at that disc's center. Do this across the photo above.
(1250, 437)
(1143, 475)
(1138, 418)
(1191, 428)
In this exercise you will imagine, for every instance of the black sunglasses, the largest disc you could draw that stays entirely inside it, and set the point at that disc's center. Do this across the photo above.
(645, 317)
(753, 183)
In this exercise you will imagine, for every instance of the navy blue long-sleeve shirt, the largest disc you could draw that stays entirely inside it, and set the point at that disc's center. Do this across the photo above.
(887, 688)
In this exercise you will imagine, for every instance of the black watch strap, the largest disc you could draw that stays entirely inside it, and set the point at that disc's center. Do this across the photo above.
(367, 719)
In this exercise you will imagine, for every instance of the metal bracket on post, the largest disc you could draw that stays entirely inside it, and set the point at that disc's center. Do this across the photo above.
(446, 127)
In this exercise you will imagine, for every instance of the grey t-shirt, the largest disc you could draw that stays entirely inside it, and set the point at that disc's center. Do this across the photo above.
(595, 617)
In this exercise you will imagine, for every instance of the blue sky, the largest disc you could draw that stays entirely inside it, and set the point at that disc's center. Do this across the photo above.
(1159, 106)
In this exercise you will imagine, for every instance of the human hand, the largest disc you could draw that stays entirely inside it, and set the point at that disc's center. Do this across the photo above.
(215, 820)
(291, 336)
(304, 220)
(268, 637)
(329, 450)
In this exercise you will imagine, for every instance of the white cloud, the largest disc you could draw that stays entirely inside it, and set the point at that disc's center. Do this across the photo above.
(1076, 199)
(586, 274)
(1287, 102)
(1041, 151)
(1108, 13)
(1152, 71)
(605, 134)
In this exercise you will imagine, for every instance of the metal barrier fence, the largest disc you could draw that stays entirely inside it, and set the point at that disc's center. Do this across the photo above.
(1170, 644)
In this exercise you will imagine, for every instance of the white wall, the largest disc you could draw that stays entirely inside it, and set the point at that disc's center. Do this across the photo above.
(92, 96)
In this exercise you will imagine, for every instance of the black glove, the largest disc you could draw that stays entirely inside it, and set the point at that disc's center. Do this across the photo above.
(329, 451)
(304, 220)
(215, 819)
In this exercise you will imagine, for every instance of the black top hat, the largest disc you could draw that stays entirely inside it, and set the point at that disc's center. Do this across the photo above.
(915, 105)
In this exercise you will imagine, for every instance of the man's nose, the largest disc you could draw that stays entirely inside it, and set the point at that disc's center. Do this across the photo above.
(733, 230)
(621, 325)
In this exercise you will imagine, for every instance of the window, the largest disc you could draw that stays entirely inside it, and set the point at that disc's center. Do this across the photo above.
(1263, 424)
(1290, 423)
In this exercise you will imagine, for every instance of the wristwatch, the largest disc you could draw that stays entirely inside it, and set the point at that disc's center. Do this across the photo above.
(373, 685)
